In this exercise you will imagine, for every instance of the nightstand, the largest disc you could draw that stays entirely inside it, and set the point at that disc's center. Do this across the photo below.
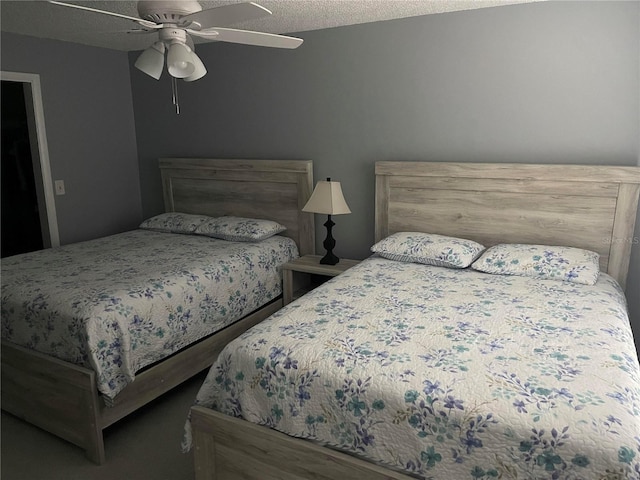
(309, 264)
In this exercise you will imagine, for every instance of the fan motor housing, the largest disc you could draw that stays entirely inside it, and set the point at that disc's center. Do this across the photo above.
(160, 11)
(168, 35)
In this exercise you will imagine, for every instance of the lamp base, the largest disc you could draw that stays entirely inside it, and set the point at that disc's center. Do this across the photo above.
(329, 243)
(329, 259)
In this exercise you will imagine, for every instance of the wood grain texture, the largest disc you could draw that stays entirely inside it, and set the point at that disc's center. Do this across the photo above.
(57, 396)
(310, 264)
(590, 207)
(248, 451)
(511, 171)
(268, 189)
(62, 398)
(621, 238)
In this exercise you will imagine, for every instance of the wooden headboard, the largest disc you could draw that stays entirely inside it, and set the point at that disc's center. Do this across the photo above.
(269, 189)
(591, 207)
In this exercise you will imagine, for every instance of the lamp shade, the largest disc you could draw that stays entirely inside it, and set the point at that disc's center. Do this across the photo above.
(327, 198)
(180, 60)
(199, 71)
(151, 61)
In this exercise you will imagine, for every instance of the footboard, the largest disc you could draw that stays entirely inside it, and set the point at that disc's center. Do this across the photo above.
(57, 396)
(63, 399)
(228, 448)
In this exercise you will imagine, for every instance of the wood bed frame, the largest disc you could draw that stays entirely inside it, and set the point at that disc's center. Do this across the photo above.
(591, 207)
(62, 398)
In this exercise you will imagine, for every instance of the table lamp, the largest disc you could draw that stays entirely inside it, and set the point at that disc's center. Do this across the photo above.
(327, 198)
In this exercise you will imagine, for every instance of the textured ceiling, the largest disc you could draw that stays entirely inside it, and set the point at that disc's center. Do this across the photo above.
(42, 19)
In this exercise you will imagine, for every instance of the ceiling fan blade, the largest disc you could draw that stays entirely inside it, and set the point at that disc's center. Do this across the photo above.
(134, 31)
(225, 15)
(248, 37)
(140, 21)
(138, 31)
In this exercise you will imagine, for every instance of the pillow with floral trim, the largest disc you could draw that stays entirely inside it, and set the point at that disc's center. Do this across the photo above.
(174, 222)
(239, 229)
(429, 248)
(569, 264)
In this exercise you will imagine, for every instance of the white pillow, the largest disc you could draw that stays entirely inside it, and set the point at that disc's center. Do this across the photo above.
(174, 222)
(239, 229)
(541, 261)
(428, 248)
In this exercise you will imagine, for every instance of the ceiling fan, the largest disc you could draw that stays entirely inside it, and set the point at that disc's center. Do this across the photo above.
(177, 20)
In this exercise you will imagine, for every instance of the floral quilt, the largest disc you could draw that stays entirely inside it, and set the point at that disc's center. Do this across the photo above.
(446, 374)
(123, 302)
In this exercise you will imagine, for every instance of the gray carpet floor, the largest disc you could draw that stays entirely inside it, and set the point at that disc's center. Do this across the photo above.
(144, 445)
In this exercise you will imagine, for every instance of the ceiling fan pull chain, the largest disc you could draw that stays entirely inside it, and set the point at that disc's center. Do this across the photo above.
(174, 91)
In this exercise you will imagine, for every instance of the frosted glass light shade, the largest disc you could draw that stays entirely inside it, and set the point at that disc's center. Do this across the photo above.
(151, 61)
(199, 71)
(180, 61)
(327, 198)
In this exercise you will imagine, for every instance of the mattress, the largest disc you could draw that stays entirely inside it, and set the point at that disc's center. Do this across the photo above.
(443, 373)
(121, 303)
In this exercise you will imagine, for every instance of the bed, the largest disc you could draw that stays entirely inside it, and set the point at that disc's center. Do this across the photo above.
(509, 376)
(74, 390)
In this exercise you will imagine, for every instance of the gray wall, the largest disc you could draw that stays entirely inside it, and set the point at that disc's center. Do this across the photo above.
(90, 132)
(551, 82)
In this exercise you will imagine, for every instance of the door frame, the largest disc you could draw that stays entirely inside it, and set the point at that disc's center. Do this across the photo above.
(33, 80)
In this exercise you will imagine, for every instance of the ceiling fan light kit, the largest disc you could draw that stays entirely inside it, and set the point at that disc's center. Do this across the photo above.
(179, 60)
(199, 70)
(151, 61)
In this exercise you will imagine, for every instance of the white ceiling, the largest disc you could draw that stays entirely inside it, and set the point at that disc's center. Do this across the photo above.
(43, 19)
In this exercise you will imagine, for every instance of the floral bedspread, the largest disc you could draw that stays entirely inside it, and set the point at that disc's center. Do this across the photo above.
(446, 374)
(120, 303)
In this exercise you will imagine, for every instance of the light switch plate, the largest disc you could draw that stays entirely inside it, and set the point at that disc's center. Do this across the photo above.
(59, 184)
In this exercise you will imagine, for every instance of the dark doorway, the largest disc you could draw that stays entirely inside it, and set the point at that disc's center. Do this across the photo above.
(21, 230)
